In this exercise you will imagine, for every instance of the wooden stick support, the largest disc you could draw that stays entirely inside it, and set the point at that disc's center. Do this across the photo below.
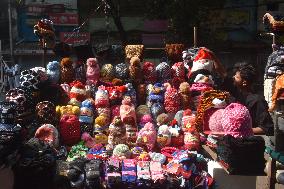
(195, 36)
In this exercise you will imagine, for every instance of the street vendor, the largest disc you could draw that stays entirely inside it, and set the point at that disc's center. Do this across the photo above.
(240, 87)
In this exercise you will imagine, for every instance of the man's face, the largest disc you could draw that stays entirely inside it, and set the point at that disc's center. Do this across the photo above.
(238, 81)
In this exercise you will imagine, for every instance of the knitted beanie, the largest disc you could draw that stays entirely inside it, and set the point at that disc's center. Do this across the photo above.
(30, 79)
(93, 70)
(191, 141)
(147, 136)
(150, 74)
(102, 98)
(78, 91)
(188, 120)
(136, 151)
(174, 51)
(163, 72)
(107, 72)
(67, 70)
(236, 120)
(127, 111)
(48, 133)
(177, 137)
(131, 92)
(144, 119)
(163, 136)
(178, 70)
(121, 151)
(158, 157)
(115, 111)
(86, 112)
(157, 109)
(212, 120)
(117, 132)
(157, 93)
(172, 100)
(135, 71)
(203, 60)
(134, 51)
(106, 112)
(53, 71)
(184, 91)
(122, 71)
(46, 112)
(178, 117)
(141, 111)
(162, 119)
(69, 128)
(23, 98)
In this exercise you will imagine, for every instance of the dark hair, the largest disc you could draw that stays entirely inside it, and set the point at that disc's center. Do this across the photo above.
(247, 71)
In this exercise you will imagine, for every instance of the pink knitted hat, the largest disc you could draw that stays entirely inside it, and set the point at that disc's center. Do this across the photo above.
(212, 120)
(236, 120)
(172, 100)
(93, 71)
(147, 136)
(127, 111)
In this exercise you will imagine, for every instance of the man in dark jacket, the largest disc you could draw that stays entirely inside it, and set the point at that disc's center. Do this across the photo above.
(240, 87)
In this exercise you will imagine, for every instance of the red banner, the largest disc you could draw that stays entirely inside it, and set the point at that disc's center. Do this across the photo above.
(64, 19)
(74, 38)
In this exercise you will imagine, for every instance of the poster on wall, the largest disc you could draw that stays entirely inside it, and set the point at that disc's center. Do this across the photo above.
(69, 4)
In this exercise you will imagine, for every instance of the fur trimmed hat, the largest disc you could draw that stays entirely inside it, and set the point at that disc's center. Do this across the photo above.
(49, 134)
(93, 71)
(236, 120)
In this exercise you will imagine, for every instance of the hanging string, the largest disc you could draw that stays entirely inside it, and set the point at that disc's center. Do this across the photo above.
(77, 29)
(107, 22)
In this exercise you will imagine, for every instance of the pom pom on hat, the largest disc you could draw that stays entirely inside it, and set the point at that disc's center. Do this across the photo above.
(121, 151)
(236, 120)
(49, 134)
(162, 119)
(53, 71)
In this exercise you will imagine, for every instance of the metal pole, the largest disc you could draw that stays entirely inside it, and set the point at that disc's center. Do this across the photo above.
(44, 53)
(10, 32)
(195, 36)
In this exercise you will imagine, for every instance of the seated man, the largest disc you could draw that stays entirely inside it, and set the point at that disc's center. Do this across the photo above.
(240, 87)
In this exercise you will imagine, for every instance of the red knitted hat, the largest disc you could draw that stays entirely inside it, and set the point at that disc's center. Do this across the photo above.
(49, 134)
(149, 72)
(172, 100)
(203, 60)
(178, 70)
(78, 91)
(69, 128)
